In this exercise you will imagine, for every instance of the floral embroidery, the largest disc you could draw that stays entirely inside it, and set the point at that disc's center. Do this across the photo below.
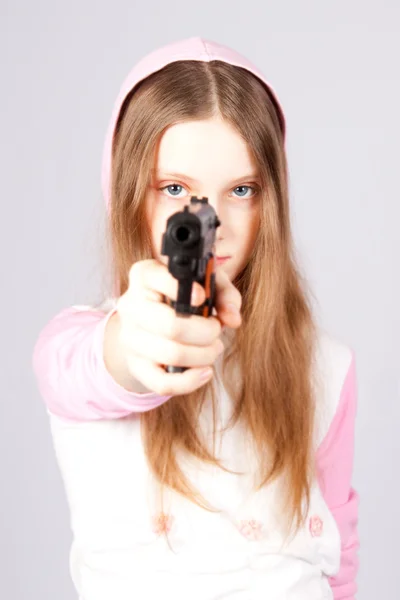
(162, 523)
(251, 529)
(316, 526)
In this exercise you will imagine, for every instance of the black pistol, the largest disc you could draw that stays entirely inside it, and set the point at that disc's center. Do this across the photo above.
(189, 241)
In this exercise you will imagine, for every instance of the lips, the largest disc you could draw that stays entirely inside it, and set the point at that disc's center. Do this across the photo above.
(222, 259)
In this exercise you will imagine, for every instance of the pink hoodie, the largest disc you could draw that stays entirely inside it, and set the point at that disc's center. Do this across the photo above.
(76, 386)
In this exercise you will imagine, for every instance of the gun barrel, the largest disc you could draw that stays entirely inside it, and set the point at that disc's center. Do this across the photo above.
(189, 243)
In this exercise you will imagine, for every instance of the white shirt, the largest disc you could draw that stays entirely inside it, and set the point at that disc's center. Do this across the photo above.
(236, 553)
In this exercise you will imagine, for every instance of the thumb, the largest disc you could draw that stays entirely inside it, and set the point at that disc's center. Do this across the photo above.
(228, 300)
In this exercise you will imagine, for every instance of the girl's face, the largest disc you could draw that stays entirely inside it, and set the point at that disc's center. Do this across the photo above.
(207, 158)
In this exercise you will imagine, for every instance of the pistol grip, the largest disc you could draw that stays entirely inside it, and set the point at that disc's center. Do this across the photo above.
(185, 309)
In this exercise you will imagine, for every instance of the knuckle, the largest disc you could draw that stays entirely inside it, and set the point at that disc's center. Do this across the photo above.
(215, 353)
(210, 331)
(216, 327)
(176, 354)
(164, 387)
(138, 271)
(172, 327)
(134, 271)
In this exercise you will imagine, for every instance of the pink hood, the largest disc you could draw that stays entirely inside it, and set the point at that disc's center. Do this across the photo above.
(195, 48)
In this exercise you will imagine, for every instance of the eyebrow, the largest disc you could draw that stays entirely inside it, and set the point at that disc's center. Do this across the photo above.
(182, 176)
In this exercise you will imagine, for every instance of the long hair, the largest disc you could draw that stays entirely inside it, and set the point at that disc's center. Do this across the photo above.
(274, 347)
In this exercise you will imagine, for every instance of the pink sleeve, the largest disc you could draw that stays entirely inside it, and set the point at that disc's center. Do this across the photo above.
(70, 371)
(335, 467)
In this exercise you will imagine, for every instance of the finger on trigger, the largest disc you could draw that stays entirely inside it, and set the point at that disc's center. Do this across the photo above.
(198, 294)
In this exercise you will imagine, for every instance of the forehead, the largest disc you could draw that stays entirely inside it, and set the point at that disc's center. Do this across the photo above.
(201, 149)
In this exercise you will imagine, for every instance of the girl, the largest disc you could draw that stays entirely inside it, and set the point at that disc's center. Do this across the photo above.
(179, 485)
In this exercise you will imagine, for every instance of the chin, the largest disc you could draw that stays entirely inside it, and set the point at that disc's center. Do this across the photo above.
(228, 270)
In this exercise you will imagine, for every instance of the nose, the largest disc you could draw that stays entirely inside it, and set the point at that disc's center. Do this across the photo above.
(217, 206)
(215, 203)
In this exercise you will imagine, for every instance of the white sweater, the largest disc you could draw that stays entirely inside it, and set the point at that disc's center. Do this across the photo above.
(238, 552)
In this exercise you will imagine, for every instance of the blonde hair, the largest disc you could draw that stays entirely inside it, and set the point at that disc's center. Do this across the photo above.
(273, 349)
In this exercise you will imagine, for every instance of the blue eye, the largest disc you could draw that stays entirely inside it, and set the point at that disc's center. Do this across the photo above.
(174, 189)
(245, 188)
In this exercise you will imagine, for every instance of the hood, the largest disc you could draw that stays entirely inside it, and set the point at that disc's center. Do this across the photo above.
(195, 48)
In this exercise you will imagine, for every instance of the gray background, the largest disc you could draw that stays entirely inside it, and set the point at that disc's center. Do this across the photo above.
(335, 66)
